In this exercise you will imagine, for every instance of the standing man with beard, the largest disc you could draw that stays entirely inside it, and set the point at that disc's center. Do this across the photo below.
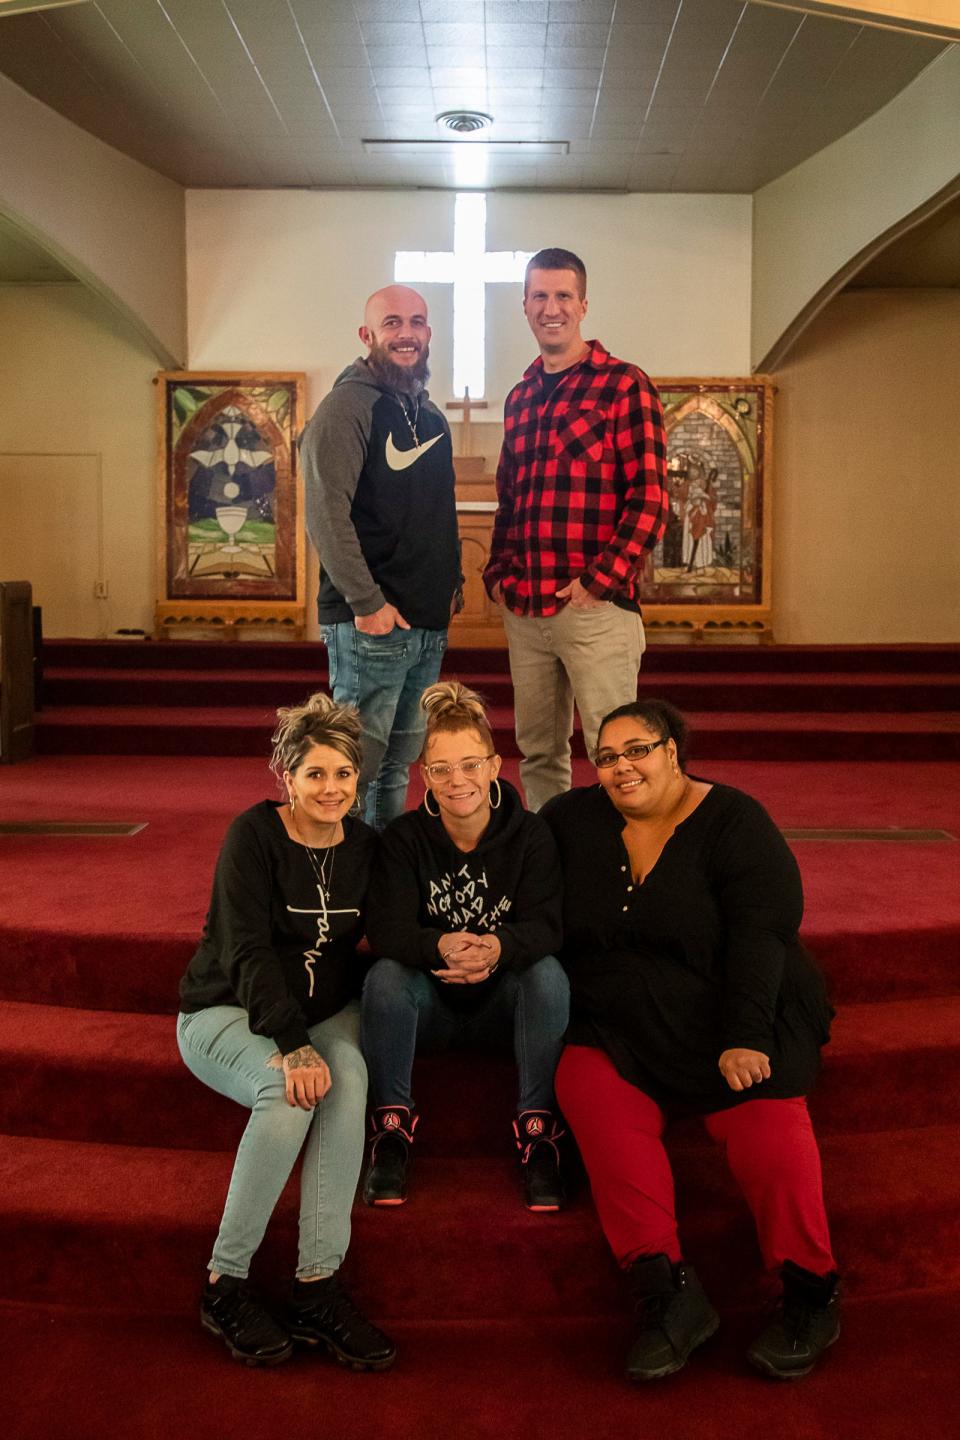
(378, 470)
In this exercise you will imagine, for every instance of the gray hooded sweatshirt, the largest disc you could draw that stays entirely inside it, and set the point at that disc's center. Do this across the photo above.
(379, 481)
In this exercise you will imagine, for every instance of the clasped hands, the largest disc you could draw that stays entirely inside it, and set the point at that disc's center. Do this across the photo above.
(743, 1068)
(468, 959)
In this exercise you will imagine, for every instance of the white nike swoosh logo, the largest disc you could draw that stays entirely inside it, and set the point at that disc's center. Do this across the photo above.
(403, 459)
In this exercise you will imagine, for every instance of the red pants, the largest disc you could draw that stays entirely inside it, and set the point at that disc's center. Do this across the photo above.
(770, 1148)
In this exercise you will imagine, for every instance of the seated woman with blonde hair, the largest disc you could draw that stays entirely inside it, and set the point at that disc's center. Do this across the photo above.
(270, 1017)
(466, 907)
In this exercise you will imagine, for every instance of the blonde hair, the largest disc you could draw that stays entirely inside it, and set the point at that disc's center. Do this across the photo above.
(318, 721)
(450, 706)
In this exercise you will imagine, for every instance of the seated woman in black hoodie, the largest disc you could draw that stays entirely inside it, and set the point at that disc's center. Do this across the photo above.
(466, 904)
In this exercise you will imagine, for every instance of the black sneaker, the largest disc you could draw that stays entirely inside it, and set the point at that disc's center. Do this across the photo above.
(675, 1317)
(322, 1313)
(392, 1129)
(536, 1133)
(230, 1309)
(807, 1323)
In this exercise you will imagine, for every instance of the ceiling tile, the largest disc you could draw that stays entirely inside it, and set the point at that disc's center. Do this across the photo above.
(653, 172)
(334, 11)
(523, 11)
(587, 60)
(404, 78)
(381, 9)
(519, 34)
(459, 97)
(640, 39)
(646, 12)
(346, 81)
(453, 56)
(460, 35)
(393, 56)
(568, 11)
(452, 11)
(514, 57)
(618, 135)
(577, 37)
(447, 75)
(391, 32)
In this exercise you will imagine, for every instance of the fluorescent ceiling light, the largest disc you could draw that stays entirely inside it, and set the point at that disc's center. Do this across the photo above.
(451, 147)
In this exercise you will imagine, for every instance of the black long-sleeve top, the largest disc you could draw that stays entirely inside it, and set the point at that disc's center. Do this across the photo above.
(269, 942)
(703, 956)
(425, 888)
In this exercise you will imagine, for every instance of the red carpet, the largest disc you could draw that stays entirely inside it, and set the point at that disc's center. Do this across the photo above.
(789, 702)
(113, 1161)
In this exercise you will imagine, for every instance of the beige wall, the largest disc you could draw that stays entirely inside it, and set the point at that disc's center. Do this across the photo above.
(277, 279)
(867, 500)
(810, 222)
(113, 223)
(867, 425)
(76, 458)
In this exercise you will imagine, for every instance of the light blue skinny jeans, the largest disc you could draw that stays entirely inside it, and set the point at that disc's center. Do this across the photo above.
(384, 676)
(218, 1046)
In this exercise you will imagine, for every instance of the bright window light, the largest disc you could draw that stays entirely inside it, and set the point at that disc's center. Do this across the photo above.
(469, 268)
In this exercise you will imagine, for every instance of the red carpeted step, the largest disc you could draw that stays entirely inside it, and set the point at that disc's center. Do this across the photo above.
(95, 1076)
(736, 690)
(78, 963)
(729, 735)
(155, 1378)
(127, 1227)
(691, 658)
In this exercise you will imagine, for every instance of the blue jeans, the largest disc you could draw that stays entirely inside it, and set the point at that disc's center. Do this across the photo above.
(403, 1008)
(384, 676)
(218, 1047)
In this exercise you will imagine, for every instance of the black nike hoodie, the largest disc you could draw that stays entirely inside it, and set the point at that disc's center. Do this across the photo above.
(380, 506)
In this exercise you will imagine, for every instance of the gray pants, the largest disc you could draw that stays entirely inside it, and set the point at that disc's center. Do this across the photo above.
(219, 1048)
(591, 656)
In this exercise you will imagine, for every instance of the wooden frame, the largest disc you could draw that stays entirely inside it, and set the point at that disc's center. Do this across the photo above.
(231, 545)
(710, 575)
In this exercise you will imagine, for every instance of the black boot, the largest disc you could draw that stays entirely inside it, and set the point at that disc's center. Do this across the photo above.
(391, 1135)
(807, 1322)
(322, 1313)
(536, 1133)
(230, 1309)
(675, 1317)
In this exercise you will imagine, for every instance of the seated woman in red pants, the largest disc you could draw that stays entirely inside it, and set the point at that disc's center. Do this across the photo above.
(691, 993)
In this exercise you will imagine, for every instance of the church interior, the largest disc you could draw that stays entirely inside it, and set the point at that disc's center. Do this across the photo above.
(767, 198)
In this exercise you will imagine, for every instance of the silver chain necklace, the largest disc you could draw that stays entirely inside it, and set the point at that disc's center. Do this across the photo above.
(324, 876)
(411, 424)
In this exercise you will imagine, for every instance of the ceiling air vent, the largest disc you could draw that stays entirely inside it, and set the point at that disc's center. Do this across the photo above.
(464, 122)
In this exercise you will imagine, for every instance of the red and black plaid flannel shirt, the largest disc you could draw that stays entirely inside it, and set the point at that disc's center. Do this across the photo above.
(580, 485)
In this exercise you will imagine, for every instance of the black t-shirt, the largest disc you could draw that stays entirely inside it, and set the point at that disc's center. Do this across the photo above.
(272, 942)
(550, 379)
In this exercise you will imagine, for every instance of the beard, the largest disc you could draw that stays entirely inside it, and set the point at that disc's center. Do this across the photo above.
(405, 379)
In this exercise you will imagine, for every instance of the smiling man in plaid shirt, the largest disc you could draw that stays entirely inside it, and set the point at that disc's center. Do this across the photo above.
(581, 502)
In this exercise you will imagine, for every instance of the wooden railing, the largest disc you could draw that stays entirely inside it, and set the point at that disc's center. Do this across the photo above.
(16, 671)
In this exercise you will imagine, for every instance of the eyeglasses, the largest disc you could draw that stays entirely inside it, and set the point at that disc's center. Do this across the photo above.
(443, 769)
(606, 758)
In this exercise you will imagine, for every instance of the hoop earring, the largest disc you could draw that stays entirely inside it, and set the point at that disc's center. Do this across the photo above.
(495, 804)
(292, 799)
(434, 814)
(355, 808)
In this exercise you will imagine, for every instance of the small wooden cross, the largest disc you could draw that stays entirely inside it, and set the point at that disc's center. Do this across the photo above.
(467, 406)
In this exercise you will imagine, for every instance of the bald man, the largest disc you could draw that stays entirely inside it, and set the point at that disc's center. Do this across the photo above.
(378, 471)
